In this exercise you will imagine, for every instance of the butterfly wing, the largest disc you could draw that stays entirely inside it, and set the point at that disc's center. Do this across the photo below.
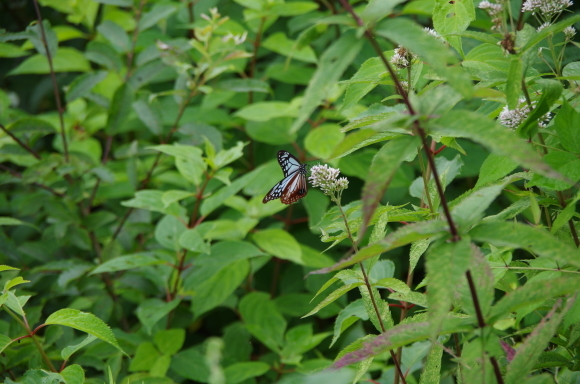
(296, 188)
(288, 162)
(277, 190)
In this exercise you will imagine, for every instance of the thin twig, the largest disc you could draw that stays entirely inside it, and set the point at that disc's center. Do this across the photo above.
(54, 82)
(20, 142)
(39, 185)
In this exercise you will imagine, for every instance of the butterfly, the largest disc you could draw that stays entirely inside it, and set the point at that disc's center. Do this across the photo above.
(293, 186)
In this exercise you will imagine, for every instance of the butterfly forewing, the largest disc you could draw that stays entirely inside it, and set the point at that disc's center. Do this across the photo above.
(293, 187)
(288, 162)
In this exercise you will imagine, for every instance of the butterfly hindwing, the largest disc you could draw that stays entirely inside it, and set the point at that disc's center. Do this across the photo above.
(293, 186)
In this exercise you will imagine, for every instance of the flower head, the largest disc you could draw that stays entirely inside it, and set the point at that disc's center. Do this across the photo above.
(569, 32)
(547, 9)
(402, 57)
(326, 178)
(512, 118)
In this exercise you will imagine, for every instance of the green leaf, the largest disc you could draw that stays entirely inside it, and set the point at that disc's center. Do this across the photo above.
(211, 203)
(219, 287)
(116, 35)
(156, 14)
(290, 73)
(168, 231)
(8, 268)
(360, 139)
(191, 365)
(446, 265)
(266, 110)
(453, 17)
(83, 84)
(224, 157)
(279, 43)
(293, 8)
(529, 351)
(145, 357)
(151, 311)
(123, 263)
(188, 160)
(493, 168)
(493, 136)
(244, 85)
(403, 236)
(5, 341)
(120, 108)
(566, 124)
(239, 372)
(564, 216)
(4, 220)
(263, 320)
(369, 75)
(152, 200)
(150, 114)
(274, 132)
(322, 141)
(85, 322)
(432, 370)
(377, 10)
(280, 244)
(400, 335)
(66, 60)
(14, 282)
(170, 341)
(67, 352)
(333, 62)
(566, 164)
(429, 48)
(15, 303)
(354, 311)
(550, 93)
(336, 294)
(193, 241)
(472, 205)
(535, 240)
(383, 168)
(513, 87)
(73, 374)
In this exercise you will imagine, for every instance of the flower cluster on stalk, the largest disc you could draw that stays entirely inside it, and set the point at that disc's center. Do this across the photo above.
(326, 178)
(512, 118)
(402, 57)
(547, 9)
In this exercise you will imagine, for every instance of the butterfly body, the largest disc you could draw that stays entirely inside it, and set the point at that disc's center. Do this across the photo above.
(293, 186)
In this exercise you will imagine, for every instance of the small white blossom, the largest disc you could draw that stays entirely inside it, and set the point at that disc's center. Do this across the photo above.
(569, 32)
(325, 178)
(238, 39)
(432, 32)
(546, 8)
(206, 17)
(402, 57)
(492, 9)
(512, 118)
(545, 25)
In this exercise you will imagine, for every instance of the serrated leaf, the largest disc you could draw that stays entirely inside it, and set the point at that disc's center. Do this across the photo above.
(332, 297)
(85, 322)
(122, 263)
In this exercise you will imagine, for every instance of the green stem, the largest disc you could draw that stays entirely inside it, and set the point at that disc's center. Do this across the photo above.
(33, 337)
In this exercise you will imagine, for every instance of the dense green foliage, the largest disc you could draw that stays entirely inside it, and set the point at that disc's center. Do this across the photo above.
(139, 137)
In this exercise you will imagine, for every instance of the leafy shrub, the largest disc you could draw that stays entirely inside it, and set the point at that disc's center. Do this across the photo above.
(139, 139)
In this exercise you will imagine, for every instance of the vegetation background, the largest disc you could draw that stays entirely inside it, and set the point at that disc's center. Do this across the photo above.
(139, 137)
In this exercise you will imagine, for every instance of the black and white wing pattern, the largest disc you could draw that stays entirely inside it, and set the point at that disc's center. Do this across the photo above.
(293, 186)
(288, 162)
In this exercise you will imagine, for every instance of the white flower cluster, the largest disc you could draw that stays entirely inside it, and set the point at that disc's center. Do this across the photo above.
(569, 32)
(545, 25)
(325, 178)
(492, 9)
(512, 118)
(546, 8)
(402, 57)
